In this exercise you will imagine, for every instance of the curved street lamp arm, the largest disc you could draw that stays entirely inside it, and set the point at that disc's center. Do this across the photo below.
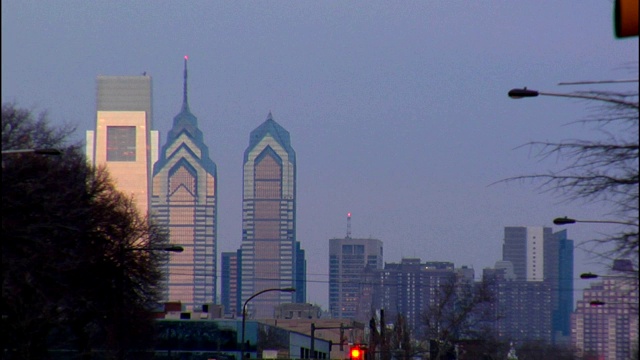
(589, 82)
(244, 311)
(591, 97)
(43, 151)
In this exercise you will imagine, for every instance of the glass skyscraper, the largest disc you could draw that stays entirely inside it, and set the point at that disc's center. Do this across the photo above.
(269, 254)
(185, 201)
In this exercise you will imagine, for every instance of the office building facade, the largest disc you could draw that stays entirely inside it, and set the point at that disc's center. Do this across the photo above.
(301, 275)
(539, 255)
(185, 202)
(348, 259)
(123, 140)
(269, 258)
(230, 283)
(522, 310)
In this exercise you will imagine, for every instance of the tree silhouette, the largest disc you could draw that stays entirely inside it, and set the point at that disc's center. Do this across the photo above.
(71, 277)
(603, 169)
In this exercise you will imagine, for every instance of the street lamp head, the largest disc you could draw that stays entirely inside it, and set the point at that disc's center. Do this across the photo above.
(564, 221)
(174, 248)
(522, 93)
(588, 276)
(596, 303)
(288, 290)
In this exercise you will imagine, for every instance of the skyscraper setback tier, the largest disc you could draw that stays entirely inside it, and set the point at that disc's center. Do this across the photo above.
(269, 256)
(185, 202)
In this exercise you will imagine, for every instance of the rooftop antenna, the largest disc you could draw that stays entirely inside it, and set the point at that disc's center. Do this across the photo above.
(349, 225)
(185, 103)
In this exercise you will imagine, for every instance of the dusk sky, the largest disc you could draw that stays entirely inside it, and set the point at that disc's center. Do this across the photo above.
(397, 110)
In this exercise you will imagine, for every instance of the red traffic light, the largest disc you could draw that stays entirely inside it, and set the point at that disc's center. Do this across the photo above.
(625, 19)
(356, 353)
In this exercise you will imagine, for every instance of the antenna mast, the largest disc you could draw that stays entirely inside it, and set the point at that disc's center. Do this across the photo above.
(348, 225)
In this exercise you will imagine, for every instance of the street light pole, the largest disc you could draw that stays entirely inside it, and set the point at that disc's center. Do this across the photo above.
(565, 220)
(244, 310)
(524, 93)
(47, 151)
(168, 248)
(43, 151)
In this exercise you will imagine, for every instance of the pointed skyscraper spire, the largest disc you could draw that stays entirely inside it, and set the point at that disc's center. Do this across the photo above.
(185, 101)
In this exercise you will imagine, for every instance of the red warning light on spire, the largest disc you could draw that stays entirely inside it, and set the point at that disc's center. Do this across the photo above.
(186, 57)
(348, 214)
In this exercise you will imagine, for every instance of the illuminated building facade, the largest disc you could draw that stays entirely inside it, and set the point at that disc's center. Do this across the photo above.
(185, 202)
(269, 256)
(123, 140)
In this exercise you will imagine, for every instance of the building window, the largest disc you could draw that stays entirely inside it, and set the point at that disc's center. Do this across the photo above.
(121, 143)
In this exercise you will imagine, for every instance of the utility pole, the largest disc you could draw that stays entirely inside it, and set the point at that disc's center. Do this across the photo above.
(313, 336)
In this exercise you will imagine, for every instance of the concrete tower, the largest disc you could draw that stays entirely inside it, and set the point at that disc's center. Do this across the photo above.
(123, 140)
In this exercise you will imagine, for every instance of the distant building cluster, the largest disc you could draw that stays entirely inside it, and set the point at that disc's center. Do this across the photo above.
(176, 183)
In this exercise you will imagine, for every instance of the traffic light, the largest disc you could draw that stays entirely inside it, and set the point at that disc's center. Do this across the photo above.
(356, 353)
(626, 18)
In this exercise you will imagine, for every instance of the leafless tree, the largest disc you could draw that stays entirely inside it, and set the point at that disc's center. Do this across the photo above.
(458, 311)
(72, 275)
(603, 169)
(400, 341)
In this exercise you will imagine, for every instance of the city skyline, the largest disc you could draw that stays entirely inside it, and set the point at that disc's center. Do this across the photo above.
(399, 112)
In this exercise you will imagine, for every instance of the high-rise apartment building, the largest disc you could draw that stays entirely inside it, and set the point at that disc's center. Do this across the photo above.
(539, 255)
(522, 309)
(269, 256)
(408, 288)
(605, 323)
(123, 140)
(348, 259)
(185, 202)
